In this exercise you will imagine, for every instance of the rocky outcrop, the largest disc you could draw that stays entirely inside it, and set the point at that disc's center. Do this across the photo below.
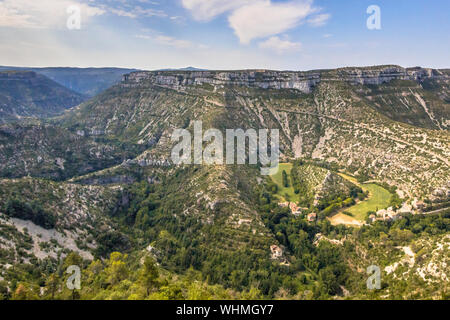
(266, 79)
(100, 181)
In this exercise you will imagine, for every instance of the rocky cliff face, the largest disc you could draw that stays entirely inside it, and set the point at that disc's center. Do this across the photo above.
(265, 79)
(360, 128)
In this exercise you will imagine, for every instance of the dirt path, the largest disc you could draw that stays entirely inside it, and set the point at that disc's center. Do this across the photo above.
(436, 211)
(340, 218)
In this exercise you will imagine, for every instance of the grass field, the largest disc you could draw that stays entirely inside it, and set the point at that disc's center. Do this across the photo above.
(379, 198)
(286, 194)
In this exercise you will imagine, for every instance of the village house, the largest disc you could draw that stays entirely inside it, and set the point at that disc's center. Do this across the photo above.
(312, 217)
(319, 237)
(295, 210)
(419, 205)
(387, 214)
(277, 252)
(406, 208)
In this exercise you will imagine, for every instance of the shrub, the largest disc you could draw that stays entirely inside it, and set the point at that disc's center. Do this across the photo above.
(30, 211)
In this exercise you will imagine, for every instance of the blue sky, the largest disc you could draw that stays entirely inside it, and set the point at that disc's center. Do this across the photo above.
(224, 34)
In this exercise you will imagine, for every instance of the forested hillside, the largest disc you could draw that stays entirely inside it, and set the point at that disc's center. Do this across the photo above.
(364, 181)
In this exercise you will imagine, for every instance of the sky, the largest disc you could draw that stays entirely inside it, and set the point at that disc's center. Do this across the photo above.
(224, 34)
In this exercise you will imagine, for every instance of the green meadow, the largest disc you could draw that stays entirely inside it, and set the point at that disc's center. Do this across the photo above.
(379, 198)
(286, 194)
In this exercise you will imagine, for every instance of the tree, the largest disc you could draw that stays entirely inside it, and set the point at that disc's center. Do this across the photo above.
(52, 285)
(252, 294)
(149, 274)
(20, 293)
(327, 280)
(4, 294)
(285, 179)
(117, 269)
(73, 259)
(23, 292)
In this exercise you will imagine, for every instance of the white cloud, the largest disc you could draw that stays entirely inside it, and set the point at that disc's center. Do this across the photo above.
(53, 13)
(319, 20)
(42, 13)
(252, 19)
(123, 13)
(204, 10)
(264, 18)
(279, 45)
(137, 12)
(173, 42)
(168, 41)
(12, 17)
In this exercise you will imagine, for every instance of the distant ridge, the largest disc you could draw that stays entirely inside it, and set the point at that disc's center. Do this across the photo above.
(28, 94)
(87, 81)
(388, 84)
(183, 69)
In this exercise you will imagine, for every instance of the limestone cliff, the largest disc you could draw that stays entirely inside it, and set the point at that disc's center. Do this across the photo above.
(267, 79)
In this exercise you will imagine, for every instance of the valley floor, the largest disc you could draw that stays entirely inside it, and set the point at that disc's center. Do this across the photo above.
(378, 198)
